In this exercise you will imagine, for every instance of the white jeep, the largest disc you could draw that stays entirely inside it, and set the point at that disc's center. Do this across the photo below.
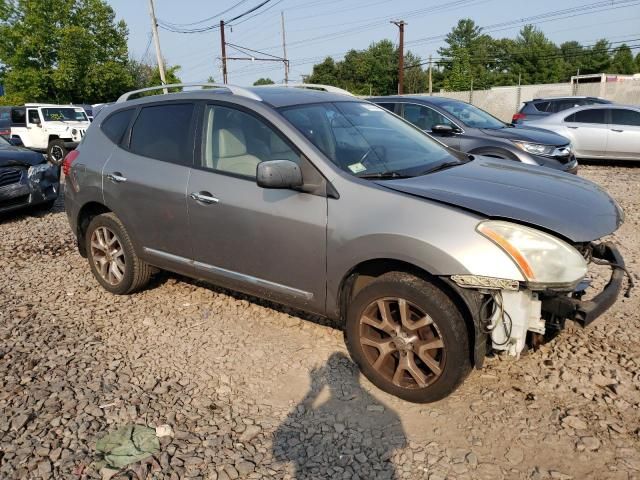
(51, 129)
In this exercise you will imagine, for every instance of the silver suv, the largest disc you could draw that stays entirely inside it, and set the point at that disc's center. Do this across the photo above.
(335, 206)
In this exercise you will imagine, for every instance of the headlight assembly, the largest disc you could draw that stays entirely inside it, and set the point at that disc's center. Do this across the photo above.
(535, 148)
(543, 259)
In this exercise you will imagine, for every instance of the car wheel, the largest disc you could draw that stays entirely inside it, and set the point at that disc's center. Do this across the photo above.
(56, 151)
(112, 257)
(408, 338)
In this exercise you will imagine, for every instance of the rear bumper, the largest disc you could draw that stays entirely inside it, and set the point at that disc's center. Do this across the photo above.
(586, 311)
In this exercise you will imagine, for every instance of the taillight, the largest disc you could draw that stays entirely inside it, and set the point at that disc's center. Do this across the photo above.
(518, 116)
(5, 132)
(68, 160)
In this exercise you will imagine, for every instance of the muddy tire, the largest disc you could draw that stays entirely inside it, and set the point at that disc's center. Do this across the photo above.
(408, 338)
(112, 258)
(56, 151)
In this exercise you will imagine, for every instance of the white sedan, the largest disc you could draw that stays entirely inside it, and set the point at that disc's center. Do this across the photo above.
(598, 131)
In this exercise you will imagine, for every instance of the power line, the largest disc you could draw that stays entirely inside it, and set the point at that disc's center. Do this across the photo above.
(208, 19)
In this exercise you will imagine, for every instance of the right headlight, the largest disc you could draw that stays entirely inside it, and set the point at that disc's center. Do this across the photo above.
(544, 260)
(535, 148)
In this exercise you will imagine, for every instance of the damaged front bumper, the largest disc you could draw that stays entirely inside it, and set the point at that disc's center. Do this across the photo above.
(508, 316)
(586, 311)
(29, 186)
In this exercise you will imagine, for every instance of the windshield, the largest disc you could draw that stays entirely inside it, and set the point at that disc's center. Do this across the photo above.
(472, 116)
(366, 140)
(63, 114)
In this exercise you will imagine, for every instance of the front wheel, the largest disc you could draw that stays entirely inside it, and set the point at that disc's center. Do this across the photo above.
(56, 151)
(408, 338)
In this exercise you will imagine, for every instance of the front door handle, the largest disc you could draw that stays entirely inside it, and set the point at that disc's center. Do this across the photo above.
(616, 130)
(116, 177)
(573, 128)
(204, 197)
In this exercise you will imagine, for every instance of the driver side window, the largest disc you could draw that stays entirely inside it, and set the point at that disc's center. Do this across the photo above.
(236, 142)
(33, 116)
(423, 117)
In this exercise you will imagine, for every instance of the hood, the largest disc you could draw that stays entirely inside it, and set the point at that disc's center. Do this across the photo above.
(572, 207)
(527, 134)
(12, 156)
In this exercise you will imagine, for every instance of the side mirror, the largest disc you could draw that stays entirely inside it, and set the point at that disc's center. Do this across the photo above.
(279, 174)
(16, 142)
(443, 129)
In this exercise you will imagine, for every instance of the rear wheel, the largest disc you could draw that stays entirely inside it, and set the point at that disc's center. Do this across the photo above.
(112, 257)
(56, 151)
(408, 338)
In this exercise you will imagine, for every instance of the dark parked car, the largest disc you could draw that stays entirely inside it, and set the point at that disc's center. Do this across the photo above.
(333, 205)
(541, 107)
(467, 128)
(26, 178)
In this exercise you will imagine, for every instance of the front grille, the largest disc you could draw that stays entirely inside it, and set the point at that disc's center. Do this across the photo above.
(10, 176)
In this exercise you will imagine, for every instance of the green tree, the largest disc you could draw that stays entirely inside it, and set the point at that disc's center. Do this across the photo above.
(458, 74)
(598, 59)
(416, 80)
(264, 81)
(623, 61)
(63, 51)
(325, 73)
(465, 42)
(536, 58)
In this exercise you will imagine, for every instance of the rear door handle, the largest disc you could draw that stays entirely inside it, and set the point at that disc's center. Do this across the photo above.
(616, 130)
(116, 177)
(204, 197)
(574, 128)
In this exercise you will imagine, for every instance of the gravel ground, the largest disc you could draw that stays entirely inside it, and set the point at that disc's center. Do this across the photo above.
(254, 390)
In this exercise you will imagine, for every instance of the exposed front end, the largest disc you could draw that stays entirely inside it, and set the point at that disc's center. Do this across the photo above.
(554, 286)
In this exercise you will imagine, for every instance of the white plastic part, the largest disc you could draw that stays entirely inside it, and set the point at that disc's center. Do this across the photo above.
(523, 313)
(243, 92)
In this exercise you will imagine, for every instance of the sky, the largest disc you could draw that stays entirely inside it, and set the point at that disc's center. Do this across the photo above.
(318, 28)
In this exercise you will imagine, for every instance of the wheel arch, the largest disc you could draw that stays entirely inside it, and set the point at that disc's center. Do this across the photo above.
(86, 213)
(495, 152)
(466, 301)
(53, 137)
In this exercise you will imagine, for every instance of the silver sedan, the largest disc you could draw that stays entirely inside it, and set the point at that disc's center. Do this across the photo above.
(598, 131)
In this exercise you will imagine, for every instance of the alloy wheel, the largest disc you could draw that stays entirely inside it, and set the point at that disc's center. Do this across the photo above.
(108, 255)
(57, 154)
(402, 343)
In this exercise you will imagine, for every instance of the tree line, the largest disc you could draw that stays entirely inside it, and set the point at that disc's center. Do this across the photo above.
(75, 51)
(473, 59)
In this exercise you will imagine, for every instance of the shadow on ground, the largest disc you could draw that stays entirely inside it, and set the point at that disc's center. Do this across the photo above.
(339, 430)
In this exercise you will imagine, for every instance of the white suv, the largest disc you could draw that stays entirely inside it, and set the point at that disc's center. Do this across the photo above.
(54, 129)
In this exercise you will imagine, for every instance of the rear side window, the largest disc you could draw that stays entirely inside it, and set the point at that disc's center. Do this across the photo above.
(621, 116)
(389, 106)
(587, 116)
(163, 132)
(18, 115)
(542, 106)
(115, 126)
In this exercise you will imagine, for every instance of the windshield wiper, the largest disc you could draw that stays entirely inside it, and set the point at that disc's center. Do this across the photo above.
(383, 175)
(441, 166)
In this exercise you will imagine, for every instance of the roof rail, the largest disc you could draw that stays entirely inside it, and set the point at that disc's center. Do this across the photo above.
(243, 92)
(315, 86)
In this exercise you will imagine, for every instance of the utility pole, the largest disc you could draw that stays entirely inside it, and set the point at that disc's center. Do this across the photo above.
(223, 48)
(156, 41)
(430, 77)
(400, 24)
(284, 51)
